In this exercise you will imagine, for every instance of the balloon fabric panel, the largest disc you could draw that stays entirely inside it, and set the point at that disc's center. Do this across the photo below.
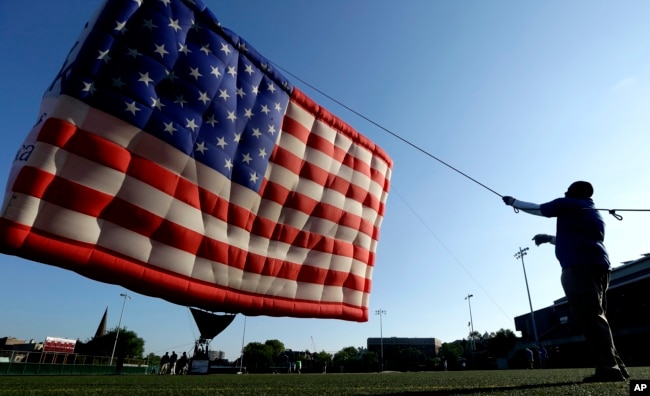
(176, 162)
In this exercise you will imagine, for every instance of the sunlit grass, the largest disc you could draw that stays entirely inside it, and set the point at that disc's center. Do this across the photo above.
(560, 382)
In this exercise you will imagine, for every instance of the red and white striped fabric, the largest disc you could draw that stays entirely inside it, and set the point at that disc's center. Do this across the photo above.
(100, 197)
(170, 159)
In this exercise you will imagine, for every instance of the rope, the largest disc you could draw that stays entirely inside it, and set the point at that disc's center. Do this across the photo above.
(618, 216)
(389, 131)
(611, 211)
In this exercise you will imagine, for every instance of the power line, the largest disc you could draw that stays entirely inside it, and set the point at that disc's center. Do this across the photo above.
(394, 190)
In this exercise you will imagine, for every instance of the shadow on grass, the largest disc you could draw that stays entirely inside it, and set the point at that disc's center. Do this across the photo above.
(487, 390)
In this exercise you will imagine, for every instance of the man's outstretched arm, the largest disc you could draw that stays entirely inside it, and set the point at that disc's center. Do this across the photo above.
(527, 207)
(544, 238)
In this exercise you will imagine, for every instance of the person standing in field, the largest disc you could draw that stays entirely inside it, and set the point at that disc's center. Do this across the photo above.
(172, 363)
(164, 364)
(580, 249)
(530, 358)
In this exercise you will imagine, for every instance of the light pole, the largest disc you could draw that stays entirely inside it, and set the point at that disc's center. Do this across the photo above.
(520, 255)
(241, 361)
(471, 322)
(381, 313)
(118, 326)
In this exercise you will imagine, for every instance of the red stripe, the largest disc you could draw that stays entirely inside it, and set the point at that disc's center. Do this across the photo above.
(319, 143)
(318, 209)
(310, 171)
(67, 136)
(124, 214)
(108, 266)
(303, 134)
(185, 191)
(54, 250)
(336, 123)
(153, 174)
(67, 194)
(109, 154)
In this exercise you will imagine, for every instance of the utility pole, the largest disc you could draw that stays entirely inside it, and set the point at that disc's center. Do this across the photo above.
(471, 322)
(117, 335)
(520, 255)
(381, 313)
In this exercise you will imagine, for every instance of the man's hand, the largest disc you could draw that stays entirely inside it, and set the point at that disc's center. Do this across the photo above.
(508, 200)
(542, 238)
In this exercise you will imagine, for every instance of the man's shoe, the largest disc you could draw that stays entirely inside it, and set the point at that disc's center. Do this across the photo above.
(610, 375)
(624, 372)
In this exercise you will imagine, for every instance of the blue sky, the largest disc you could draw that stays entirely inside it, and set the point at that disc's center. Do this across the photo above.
(524, 97)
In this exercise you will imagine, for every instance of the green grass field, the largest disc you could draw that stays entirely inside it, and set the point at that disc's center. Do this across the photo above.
(560, 382)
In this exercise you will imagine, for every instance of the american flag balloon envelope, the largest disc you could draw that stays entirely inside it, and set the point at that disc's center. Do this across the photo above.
(171, 158)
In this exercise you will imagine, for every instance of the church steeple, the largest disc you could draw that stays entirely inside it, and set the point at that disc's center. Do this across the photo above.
(101, 330)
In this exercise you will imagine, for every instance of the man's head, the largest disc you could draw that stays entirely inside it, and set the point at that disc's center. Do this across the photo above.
(579, 189)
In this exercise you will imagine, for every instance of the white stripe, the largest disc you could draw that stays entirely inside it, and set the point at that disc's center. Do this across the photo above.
(340, 140)
(159, 152)
(273, 286)
(86, 229)
(127, 243)
(33, 212)
(115, 183)
(90, 174)
(318, 193)
(66, 108)
(172, 259)
(328, 163)
(52, 159)
(223, 232)
(165, 206)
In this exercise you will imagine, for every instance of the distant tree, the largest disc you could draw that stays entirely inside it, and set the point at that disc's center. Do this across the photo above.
(258, 356)
(276, 346)
(451, 352)
(501, 343)
(129, 345)
(370, 361)
(348, 358)
(347, 353)
(476, 341)
(153, 359)
(410, 359)
(321, 359)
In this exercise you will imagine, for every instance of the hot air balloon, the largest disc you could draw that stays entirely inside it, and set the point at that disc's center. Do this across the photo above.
(171, 158)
